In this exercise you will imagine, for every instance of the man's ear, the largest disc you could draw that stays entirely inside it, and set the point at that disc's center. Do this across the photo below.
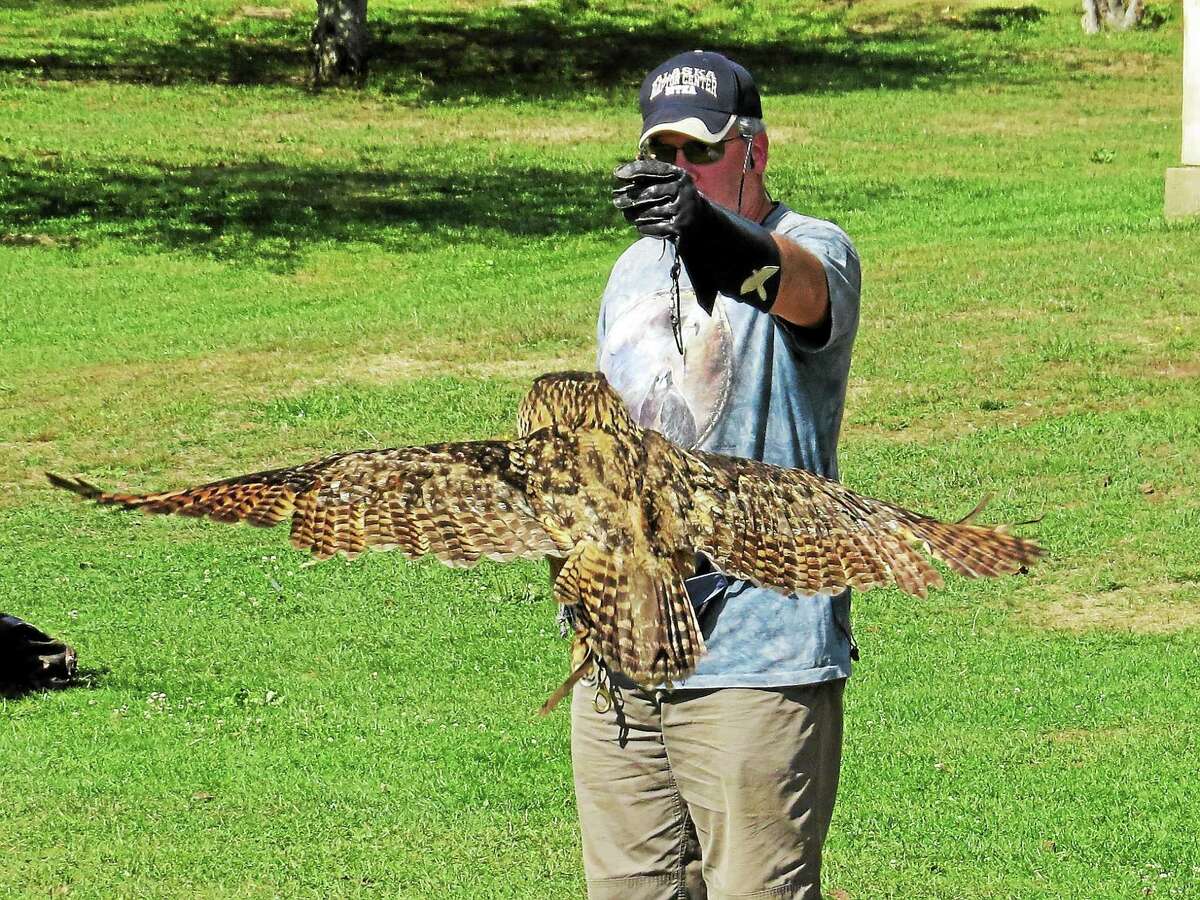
(758, 153)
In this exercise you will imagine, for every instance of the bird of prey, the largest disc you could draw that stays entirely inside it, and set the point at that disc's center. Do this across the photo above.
(623, 510)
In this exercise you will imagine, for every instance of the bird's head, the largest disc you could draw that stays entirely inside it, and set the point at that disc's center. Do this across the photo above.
(571, 400)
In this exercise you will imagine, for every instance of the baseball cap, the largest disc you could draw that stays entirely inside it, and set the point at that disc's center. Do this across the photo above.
(700, 94)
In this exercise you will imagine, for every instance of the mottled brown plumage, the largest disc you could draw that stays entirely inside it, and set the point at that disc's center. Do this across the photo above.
(625, 509)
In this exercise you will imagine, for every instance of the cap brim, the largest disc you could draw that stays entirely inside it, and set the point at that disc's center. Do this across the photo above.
(709, 126)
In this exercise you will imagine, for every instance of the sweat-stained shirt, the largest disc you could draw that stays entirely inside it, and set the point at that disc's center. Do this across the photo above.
(747, 385)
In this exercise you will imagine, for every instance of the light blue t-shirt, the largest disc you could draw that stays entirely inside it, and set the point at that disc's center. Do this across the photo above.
(747, 385)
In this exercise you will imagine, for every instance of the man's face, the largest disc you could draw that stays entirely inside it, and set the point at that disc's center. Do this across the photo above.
(718, 181)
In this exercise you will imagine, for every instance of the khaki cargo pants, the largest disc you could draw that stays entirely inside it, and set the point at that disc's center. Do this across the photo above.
(714, 794)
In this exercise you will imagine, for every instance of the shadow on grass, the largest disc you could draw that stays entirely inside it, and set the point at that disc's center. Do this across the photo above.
(525, 51)
(188, 47)
(61, 5)
(271, 211)
(1000, 18)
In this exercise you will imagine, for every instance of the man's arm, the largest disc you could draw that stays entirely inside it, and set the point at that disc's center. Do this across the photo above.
(803, 297)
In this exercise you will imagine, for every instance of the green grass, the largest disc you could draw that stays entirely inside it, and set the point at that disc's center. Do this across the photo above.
(225, 272)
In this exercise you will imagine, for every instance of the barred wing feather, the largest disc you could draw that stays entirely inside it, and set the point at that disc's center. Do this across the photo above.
(797, 532)
(459, 502)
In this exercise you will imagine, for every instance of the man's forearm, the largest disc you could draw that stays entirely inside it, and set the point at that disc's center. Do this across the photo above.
(803, 297)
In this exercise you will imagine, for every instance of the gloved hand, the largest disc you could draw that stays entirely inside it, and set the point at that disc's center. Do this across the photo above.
(30, 659)
(722, 251)
(658, 199)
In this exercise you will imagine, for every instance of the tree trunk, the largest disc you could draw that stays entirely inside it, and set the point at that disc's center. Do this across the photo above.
(1117, 15)
(339, 41)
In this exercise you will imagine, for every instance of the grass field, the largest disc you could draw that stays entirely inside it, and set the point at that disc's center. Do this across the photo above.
(206, 269)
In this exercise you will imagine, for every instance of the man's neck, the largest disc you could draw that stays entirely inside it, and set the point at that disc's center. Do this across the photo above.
(755, 204)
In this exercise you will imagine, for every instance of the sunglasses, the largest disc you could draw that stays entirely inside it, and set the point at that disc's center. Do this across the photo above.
(697, 153)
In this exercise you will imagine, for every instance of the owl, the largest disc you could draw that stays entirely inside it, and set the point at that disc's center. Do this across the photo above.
(622, 510)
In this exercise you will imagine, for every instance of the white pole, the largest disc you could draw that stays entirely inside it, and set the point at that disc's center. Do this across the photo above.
(1183, 182)
(1191, 82)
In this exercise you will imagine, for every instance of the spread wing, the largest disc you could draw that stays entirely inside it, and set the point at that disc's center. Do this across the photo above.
(800, 533)
(459, 502)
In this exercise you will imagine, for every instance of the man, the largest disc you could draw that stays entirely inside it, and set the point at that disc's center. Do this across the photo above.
(723, 785)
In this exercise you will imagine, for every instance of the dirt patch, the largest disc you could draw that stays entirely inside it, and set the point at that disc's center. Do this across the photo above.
(395, 129)
(388, 367)
(1185, 369)
(38, 240)
(523, 133)
(1029, 126)
(1164, 608)
(240, 375)
(943, 420)
(787, 135)
(582, 131)
(1123, 65)
(922, 432)
(272, 13)
(1085, 735)
(265, 12)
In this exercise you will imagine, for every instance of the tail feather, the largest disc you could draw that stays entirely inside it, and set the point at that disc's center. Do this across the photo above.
(635, 611)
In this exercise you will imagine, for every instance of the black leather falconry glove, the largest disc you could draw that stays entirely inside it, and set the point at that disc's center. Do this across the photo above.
(31, 660)
(722, 251)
